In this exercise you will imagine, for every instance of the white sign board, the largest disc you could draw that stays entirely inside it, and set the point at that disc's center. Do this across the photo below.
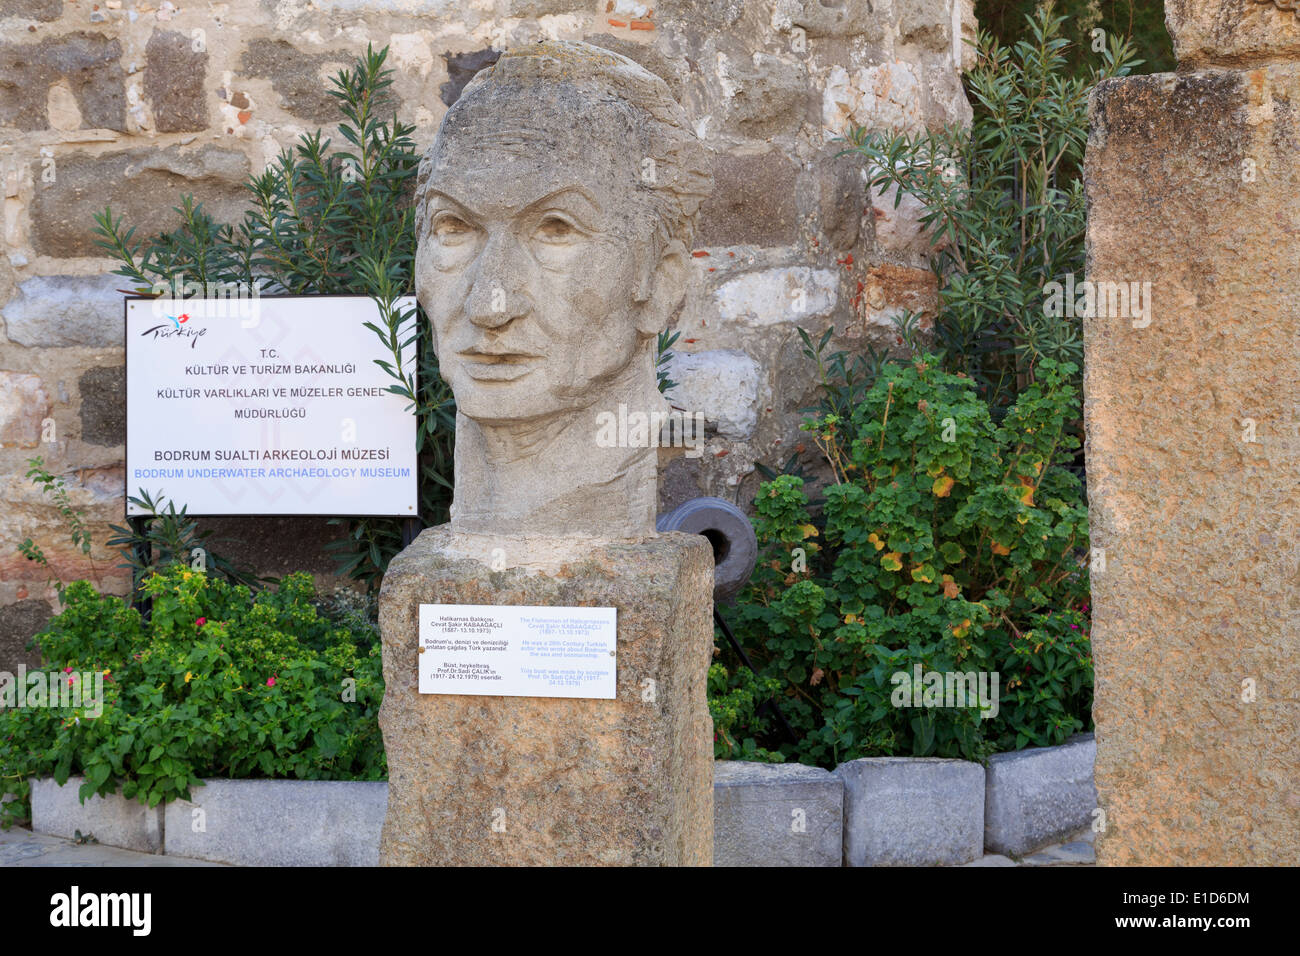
(518, 651)
(271, 406)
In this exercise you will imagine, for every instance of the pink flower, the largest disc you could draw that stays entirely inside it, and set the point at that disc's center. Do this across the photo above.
(67, 670)
(270, 682)
(199, 622)
(1074, 627)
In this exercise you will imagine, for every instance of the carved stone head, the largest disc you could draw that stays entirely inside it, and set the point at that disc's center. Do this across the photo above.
(556, 209)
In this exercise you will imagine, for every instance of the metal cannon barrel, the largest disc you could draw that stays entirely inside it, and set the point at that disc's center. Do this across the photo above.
(735, 547)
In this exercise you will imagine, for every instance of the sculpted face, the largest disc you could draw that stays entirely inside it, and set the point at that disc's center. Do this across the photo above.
(536, 247)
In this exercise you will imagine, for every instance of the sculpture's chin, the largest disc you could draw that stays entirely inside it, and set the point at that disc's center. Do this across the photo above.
(507, 402)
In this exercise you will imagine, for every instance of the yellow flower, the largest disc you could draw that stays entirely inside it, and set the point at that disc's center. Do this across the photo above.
(107, 671)
(188, 676)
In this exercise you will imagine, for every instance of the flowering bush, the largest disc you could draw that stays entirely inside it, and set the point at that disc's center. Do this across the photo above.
(217, 683)
(946, 543)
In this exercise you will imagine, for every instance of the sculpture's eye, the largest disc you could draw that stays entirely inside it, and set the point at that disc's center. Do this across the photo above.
(450, 229)
(556, 230)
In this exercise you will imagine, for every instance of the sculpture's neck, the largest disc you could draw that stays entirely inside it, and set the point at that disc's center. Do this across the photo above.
(561, 476)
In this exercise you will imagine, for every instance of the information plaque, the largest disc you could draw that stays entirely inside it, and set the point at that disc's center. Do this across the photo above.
(518, 651)
(267, 406)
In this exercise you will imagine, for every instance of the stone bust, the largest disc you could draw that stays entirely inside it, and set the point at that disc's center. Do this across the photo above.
(555, 214)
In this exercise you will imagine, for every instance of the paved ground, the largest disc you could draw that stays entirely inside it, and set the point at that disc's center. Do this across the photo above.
(1077, 851)
(19, 847)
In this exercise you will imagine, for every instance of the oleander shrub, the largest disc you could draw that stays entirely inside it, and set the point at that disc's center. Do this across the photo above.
(1004, 201)
(218, 682)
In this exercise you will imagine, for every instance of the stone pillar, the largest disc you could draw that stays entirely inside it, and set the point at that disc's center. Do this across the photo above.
(476, 780)
(1192, 409)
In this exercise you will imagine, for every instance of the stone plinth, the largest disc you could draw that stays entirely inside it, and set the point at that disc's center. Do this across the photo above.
(477, 780)
(1193, 424)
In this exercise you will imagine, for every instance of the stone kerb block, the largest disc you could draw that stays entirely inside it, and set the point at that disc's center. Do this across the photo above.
(776, 815)
(912, 811)
(1233, 32)
(112, 820)
(1038, 795)
(280, 822)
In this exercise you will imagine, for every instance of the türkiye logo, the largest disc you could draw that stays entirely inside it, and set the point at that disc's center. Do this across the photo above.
(177, 329)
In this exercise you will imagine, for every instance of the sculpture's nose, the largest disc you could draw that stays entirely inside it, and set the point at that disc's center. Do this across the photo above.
(496, 297)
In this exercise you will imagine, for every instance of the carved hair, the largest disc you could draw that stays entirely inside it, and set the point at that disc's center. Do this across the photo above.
(681, 177)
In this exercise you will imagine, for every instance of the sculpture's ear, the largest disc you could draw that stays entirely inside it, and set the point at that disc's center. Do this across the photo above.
(661, 289)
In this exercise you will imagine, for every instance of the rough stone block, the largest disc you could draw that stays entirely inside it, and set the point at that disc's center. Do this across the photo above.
(881, 96)
(1197, 514)
(832, 18)
(52, 311)
(18, 622)
(535, 780)
(275, 545)
(542, 8)
(841, 198)
(23, 406)
(766, 96)
(112, 820)
(723, 384)
(41, 10)
(461, 68)
(280, 822)
(1039, 795)
(776, 815)
(86, 62)
(753, 201)
(912, 811)
(296, 77)
(899, 229)
(888, 289)
(774, 296)
(175, 82)
(1232, 31)
(144, 186)
(926, 23)
(103, 406)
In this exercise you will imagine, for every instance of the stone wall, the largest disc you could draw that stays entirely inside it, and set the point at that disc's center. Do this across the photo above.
(131, 103)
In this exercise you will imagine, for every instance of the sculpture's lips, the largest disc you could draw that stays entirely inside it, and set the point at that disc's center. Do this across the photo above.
(498, 366)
